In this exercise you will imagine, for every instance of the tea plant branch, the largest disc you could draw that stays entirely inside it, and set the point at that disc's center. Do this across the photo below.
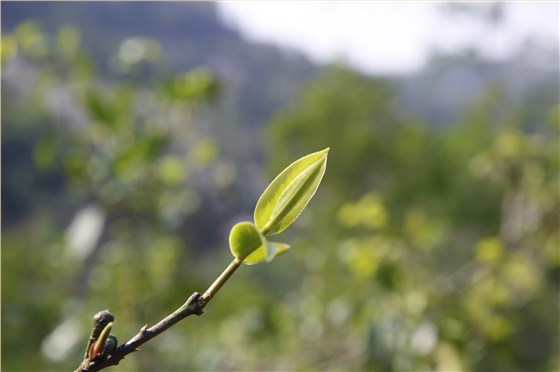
(278, 207)
(194, 305)
(220, 281)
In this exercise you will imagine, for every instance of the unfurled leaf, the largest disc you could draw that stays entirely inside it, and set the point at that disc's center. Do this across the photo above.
(287, 196)
(266, 253)
(250, 246)
(244, 238)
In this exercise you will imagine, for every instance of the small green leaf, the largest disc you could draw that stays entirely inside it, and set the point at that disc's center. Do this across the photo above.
(287, 196)
(244, 238)
(250, 246)
(266, 253)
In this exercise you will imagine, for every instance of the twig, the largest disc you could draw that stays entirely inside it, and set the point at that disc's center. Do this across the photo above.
(194, 305)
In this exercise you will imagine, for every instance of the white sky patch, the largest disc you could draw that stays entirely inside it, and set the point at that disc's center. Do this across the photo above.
(386, 37)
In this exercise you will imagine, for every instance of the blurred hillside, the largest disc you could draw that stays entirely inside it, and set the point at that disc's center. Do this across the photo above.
(134, 135)
(261, 78)
(258, 78)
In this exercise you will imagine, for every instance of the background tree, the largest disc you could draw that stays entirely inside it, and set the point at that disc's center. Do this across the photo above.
(445, 253)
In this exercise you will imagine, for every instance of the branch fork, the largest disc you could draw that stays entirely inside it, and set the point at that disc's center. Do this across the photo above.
(194, 305)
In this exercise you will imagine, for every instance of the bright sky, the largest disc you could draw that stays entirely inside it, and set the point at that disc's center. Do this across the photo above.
(387, 37)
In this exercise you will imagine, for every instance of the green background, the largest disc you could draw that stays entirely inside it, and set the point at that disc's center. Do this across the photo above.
(432, 242)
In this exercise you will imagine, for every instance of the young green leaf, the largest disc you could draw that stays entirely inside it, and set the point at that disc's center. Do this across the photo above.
(287, 196)
(266, 253)
(244, 238)
(250, 246)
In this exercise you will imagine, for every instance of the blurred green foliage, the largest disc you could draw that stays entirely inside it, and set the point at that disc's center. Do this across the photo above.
(425, 249)
(431, 249)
